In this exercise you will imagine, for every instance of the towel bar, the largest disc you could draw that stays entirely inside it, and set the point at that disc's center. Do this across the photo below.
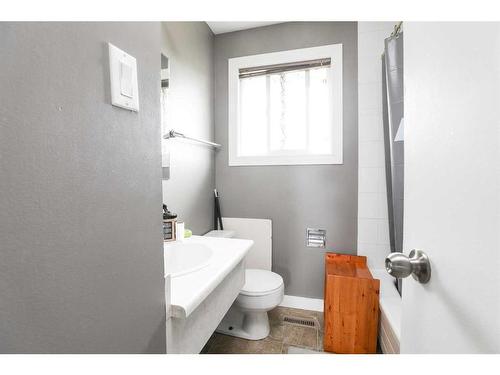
(174, 134)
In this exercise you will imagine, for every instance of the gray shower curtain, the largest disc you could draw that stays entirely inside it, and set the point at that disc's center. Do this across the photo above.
(393, 104)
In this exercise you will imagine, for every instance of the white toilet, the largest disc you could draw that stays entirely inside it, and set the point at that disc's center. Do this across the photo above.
(263, 291)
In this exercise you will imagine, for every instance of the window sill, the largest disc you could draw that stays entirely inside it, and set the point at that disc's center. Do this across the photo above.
(285, 160)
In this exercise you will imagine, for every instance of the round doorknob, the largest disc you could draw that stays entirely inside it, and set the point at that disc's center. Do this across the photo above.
(416, 264)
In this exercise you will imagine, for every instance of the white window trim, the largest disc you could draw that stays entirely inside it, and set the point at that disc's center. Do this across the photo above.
(333, 51)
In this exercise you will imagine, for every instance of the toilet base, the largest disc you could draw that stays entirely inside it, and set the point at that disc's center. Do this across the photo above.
(250, 325)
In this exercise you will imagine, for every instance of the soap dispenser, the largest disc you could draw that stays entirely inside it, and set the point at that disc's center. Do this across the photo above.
(169, 224)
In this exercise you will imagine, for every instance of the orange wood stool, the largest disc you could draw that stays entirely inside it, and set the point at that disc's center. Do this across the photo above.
(351, 305)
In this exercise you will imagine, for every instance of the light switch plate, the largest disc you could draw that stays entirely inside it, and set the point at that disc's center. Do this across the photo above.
(123, 76)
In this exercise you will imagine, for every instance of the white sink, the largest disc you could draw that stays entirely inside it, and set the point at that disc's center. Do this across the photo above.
(196, 266)
(183, 258)
(203, 278)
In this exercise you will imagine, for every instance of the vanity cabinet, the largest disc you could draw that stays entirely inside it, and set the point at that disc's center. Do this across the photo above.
(351, 305)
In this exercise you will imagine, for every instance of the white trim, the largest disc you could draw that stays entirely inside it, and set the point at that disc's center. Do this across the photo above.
(391, 303)
(333, 51)
(305, 303)
(390, 312)
(388, 340)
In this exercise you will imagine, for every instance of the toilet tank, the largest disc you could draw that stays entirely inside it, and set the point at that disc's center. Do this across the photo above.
(221, 233)
(260, 231)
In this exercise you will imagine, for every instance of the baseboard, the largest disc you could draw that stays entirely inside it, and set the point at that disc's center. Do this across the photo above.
(295, 302)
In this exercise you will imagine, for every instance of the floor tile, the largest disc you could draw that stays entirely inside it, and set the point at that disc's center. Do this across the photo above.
(310, 338)
(292, 334)
(282, 336)
(276, 331)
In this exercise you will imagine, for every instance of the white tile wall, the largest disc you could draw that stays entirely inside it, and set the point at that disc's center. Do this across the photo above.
(372, 180)
(372, 206)
(371, 153)
(373, 225)
(367, 131)
(369, 97)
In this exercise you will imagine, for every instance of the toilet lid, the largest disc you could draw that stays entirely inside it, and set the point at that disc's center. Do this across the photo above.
(259, 282)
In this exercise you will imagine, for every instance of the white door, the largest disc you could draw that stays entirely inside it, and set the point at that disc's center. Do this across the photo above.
(452, 190)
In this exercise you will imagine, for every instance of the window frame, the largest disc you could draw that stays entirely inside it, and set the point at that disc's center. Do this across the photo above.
(332, 51)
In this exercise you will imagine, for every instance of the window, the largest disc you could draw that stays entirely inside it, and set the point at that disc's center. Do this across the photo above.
(285, 108)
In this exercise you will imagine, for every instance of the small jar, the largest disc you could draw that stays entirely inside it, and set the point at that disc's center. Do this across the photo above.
(169, 225)
(169, 229)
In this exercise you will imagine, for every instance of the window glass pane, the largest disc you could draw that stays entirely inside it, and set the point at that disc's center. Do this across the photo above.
(288, 122)
(285, 108)
(253, 117)
(320, 124)
(290, 109)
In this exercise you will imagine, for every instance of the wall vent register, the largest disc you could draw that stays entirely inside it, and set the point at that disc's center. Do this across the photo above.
(299, 321)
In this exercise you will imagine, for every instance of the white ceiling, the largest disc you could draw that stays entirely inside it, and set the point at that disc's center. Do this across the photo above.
(227, 27)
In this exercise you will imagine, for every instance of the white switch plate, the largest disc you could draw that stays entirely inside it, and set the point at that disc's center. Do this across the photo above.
(123, 76)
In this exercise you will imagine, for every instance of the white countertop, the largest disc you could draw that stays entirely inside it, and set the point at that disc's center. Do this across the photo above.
(188, 291)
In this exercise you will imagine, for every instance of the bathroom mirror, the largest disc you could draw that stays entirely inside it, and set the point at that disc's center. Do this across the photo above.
(165, 83)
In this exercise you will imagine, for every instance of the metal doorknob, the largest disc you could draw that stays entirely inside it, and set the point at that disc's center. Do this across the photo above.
(416, 264)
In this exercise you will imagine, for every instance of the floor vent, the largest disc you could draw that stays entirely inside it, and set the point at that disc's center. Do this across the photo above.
(299, 321)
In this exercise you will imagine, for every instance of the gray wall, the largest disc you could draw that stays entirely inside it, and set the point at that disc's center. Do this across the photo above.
(294, 197)
(189, 191)
(81, 263)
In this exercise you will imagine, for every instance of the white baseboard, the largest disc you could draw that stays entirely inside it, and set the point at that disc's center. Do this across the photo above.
(314, 304)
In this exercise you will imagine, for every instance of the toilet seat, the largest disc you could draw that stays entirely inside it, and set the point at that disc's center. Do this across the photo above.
(263, 291)
(261, 283)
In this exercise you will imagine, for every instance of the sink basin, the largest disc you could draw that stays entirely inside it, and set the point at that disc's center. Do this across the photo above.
(182, 258)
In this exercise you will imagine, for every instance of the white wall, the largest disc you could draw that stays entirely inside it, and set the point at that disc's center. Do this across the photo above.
(373, 224)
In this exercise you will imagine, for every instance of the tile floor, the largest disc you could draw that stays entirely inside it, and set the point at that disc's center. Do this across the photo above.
(283, 335)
